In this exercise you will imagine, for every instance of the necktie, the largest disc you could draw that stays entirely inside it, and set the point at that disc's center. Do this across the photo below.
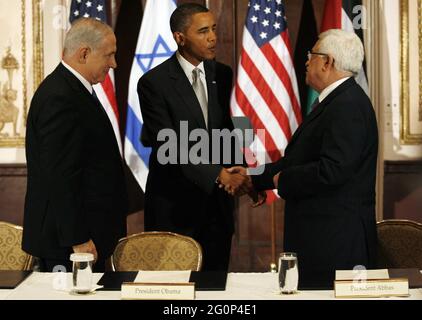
(199, 89)
(94, 95)
(314, 105)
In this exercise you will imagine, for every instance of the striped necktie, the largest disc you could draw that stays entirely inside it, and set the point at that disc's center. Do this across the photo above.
(199, 89)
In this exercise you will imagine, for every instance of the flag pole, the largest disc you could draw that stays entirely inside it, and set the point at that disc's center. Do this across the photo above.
(273, 266)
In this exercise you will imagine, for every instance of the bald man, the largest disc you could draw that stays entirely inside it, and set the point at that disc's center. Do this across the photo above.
(76, 197)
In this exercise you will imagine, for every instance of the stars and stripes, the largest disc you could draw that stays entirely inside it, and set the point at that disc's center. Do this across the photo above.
(105, 91)
(88, 9)
(266, 88)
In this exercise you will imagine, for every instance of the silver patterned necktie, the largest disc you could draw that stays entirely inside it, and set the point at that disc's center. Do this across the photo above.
(199, 89)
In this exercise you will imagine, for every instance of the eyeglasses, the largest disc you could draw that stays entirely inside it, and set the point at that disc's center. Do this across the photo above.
(310, 53)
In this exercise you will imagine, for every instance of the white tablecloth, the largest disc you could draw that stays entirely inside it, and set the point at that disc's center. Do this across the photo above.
(240, 286)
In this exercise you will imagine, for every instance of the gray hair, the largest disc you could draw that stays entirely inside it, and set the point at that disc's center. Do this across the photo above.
(85, 32)
(345, 47)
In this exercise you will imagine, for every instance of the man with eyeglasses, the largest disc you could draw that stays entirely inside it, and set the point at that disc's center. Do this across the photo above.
(327, 175)
(310, 53)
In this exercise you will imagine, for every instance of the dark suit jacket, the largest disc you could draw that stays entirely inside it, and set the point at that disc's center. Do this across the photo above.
(183, 197)
(76, 189)
(328, 181)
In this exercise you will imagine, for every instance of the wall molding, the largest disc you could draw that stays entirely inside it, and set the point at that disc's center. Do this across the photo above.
(405, 167)
(13, 170)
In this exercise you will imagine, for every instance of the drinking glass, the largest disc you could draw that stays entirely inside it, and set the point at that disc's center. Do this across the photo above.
(288, 275)
(82, 272)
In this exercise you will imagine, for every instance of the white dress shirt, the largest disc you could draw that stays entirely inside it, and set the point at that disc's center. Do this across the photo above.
(188, 68)
(324, 93)
(85, 82)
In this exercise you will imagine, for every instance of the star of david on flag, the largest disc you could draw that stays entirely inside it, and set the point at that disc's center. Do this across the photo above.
(160, 50)
(155, 45)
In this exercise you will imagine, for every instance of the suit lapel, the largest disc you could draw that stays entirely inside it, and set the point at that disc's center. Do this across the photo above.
(83, 93)
(312, 116)
(184, 89)
(89, 101)
(98, 103)
(321, 107)
(212, 93)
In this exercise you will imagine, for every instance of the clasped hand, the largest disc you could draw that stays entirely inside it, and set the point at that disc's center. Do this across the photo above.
(236, 181)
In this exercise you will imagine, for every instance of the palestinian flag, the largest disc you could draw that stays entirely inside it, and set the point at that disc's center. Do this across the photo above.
(338, 14)
(307, 37)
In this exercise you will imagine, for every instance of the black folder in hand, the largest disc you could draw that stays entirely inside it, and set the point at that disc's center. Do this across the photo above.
(11, 279)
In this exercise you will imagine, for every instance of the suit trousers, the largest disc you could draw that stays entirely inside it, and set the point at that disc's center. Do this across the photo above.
(216, 246)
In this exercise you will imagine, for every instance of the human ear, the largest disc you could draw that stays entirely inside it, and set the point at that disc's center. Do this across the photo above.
(83, 54)
(179, 37)
(330, 61)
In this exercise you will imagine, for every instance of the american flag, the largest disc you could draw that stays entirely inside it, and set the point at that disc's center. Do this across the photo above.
(266, 88)
(104, 91)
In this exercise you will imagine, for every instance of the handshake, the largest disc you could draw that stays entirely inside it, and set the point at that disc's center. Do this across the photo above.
(237, 182)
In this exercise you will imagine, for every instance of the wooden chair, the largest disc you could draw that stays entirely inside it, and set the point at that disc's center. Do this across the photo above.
(157, 251)
(12, 257)
(399, 244)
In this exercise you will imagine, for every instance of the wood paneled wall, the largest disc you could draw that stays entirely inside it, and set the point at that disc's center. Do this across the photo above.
(12, 192)
(403, 190)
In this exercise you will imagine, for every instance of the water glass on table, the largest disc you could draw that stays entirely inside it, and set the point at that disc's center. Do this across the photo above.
(288, 275)
(82, 272)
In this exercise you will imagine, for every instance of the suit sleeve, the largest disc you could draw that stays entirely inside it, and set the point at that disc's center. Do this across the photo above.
(156, 117)
(61, 155)
(341, 149)
(264, 181)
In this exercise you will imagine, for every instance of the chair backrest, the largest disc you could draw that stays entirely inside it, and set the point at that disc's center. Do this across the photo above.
(12, 257)
(399, 244)
(157, 251)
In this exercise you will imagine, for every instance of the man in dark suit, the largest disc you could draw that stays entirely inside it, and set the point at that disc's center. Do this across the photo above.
(190, 93)
(76, 195)
(327, 175)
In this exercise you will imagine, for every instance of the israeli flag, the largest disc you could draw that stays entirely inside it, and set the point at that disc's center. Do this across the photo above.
(155, 45)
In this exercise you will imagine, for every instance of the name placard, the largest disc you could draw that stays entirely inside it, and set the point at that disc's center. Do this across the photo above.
(397, 287)
(158, 291)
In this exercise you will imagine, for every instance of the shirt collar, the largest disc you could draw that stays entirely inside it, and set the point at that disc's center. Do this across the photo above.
(188, 67)
(324, 93)
(85, 82)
